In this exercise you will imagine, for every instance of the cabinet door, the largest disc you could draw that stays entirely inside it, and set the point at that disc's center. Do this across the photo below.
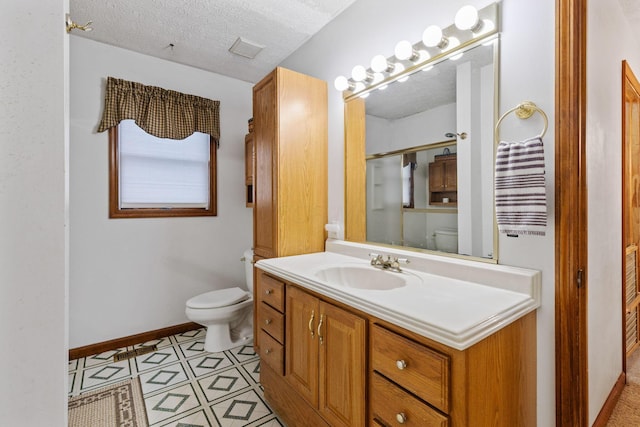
(265, 140)
(342, 366)
(451, 175)
(301, 359)
(436, 176)
(248, 168)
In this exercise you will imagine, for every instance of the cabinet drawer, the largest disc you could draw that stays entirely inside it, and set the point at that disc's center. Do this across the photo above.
(392, 406)
(271, 352)
(417, 368)
(271, 321)
(271, 291)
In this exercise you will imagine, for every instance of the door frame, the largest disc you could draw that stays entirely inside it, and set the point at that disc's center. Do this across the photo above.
(572, 400)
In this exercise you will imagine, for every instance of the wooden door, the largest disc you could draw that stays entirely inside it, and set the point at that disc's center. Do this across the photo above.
(265, 140)
(342, 367)
(301, 357)
(631, 209)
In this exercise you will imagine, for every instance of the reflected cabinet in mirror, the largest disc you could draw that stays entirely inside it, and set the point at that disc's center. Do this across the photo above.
(419, 158)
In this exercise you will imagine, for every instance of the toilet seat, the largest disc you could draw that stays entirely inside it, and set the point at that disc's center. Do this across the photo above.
(219, 298)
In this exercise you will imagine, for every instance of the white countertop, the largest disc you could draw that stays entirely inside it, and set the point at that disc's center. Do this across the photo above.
(444, 308)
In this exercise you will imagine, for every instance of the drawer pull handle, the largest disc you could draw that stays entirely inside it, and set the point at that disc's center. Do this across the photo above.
(401, 418)
(267, 351)
(268, 291)
(401, 364)
(313, 315)
(267, 321)
(319, 329)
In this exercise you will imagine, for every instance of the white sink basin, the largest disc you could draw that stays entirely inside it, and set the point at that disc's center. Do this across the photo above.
(365, 277)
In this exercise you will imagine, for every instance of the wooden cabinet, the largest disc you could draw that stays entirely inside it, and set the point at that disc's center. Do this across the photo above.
(415, 381)
(412, 370)
(343, 367)
(325, 357)
(443, 180)
(248, 168)
(269, 320)
(290, 180)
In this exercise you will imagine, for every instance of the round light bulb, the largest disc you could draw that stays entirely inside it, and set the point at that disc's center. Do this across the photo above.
(398, 68)
(359, 73)
(403, 50)
(432, 36)
(359, 87)
(377, 78)
(341, 83)
(466, 18)
(453, 43)
(379, 64)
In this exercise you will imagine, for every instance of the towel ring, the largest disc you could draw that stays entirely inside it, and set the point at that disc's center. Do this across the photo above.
(524, 110)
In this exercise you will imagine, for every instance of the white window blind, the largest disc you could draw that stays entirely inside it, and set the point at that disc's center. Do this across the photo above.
(162, 173)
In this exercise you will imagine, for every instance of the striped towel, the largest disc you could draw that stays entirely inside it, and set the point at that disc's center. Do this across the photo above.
(521, 201)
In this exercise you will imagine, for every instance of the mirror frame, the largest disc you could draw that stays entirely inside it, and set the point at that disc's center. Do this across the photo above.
(355, 172)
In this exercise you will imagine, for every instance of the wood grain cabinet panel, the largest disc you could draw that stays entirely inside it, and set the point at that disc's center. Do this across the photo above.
(325, 358)
(413, 366)
(290, 116)
(391, 406)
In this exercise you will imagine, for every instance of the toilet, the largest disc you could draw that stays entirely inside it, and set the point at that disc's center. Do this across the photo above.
(226, 313)
(446, 240)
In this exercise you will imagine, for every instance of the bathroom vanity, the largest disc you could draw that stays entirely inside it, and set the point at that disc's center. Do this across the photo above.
(445, 342)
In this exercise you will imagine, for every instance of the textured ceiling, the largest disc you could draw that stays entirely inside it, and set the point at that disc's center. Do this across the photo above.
(202, 31)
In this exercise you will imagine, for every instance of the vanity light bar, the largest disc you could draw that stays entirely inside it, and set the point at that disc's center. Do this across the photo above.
(470, 27)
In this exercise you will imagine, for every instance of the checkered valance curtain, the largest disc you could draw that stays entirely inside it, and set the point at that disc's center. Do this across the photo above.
(160, 112)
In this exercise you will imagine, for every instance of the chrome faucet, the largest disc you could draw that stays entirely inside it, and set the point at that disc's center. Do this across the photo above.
(392, 264)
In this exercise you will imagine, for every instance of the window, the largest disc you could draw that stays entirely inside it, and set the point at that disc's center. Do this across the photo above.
(160, 177)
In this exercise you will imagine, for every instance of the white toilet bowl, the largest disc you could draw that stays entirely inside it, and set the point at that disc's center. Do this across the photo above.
(226, 313)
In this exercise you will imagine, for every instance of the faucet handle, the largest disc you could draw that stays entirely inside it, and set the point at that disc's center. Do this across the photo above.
(402, 260)
(376, 259)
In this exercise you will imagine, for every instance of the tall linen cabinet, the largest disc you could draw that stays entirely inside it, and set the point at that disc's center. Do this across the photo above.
(290, 203)
(290, 126)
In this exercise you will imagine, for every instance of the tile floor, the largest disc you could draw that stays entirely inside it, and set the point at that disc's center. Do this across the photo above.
(184, 386)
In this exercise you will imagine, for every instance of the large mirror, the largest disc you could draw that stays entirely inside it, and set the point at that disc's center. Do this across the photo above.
(428, 158)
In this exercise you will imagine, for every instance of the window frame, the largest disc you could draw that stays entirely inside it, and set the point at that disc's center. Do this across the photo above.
(114, 188)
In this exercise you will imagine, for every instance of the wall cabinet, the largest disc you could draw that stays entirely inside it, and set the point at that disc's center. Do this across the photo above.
(325, 357)
(290, 180)
(443, 180)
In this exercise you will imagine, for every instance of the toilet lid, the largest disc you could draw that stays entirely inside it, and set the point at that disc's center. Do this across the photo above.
(219, 298)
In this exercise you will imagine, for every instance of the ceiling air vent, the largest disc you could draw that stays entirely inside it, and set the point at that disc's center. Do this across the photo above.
(246, 48)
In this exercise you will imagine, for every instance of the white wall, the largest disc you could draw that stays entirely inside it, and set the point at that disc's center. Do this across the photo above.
(609, 41)
(134, 275)
(526, 73)
(33, 212)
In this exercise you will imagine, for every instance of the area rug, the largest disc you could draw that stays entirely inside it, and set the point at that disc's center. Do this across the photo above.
(118, 405)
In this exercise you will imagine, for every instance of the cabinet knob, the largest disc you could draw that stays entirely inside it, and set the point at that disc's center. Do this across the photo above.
(401, 418)
(267, 321)
(267, 351)
(401, 364)
(268, 291)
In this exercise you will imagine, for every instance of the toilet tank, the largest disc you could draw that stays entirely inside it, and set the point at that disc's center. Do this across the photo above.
(248, 268)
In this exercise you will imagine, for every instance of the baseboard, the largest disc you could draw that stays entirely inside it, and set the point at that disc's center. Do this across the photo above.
(101, 347)
(610, 403)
